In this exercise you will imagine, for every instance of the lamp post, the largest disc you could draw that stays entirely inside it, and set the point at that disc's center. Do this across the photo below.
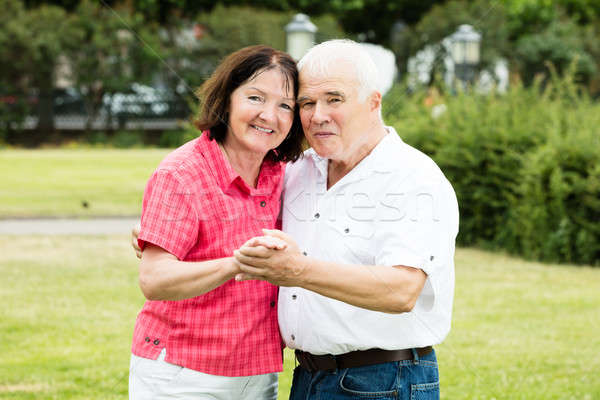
(465, 52)
(300, 35)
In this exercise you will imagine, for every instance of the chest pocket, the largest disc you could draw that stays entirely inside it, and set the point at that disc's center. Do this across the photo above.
(354, 239)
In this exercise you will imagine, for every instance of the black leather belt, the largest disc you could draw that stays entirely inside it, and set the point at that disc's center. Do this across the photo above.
(329, 362)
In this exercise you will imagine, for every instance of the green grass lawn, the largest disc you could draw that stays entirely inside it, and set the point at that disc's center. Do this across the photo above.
(521, 330)
(57, 182)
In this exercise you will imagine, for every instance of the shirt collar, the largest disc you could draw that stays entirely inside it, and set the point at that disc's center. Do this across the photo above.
(382, 158)
(321, 163)
(228, 179)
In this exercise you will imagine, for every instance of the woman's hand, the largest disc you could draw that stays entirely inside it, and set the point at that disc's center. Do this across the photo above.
(269, 242)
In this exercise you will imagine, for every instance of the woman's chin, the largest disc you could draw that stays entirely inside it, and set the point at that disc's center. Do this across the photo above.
(263, 146)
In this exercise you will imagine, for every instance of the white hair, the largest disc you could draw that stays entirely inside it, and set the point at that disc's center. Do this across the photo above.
(321, 59)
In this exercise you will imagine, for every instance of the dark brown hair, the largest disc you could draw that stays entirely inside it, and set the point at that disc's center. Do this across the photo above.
(235, 70)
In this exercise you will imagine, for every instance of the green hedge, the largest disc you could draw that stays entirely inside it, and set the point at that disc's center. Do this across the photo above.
(525, 165)
(557, 215)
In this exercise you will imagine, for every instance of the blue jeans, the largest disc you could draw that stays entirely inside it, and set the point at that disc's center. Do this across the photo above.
(416, 379)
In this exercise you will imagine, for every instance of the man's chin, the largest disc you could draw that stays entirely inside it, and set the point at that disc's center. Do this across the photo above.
(322, 149)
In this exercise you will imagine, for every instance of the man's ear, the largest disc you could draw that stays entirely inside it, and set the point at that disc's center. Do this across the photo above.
(375, 101)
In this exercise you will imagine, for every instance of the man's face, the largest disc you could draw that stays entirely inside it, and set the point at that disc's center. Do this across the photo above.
(335, 122)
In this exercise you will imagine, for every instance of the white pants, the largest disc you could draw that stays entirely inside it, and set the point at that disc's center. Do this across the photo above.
(158, 379)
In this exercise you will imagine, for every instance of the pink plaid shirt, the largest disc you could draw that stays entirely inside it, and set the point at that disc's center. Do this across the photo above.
(197, 208)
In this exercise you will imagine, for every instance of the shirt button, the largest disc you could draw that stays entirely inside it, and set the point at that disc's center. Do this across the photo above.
(317, 215)
(147, 339)
(304, 253)
(294, 297)
(272, 303)
(156, 342)
(263, 203)
(293, 337)
(347, 230)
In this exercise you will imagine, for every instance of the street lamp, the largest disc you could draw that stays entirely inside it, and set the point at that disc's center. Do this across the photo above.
(465, 43)
(300, 35)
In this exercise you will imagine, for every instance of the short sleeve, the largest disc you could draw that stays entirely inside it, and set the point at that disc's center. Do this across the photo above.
(168, 216)
(423, 234)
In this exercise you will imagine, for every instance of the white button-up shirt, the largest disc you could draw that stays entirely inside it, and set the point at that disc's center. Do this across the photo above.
(394, 208)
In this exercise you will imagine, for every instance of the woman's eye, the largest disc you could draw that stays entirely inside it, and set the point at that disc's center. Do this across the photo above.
(254, 98)
(287, 106)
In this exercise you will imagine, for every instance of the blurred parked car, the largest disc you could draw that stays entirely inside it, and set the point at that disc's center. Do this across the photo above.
(142, 101)
(64, 101)
(68, 102)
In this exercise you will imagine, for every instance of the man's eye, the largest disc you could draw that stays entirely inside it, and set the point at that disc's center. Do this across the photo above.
(334, 100)
(307, 105)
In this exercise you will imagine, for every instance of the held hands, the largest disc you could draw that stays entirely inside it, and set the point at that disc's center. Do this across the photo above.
(270, 242)
(274, 257)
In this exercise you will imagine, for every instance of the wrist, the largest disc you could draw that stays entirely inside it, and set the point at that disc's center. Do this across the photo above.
(300, 268)
(230, 268)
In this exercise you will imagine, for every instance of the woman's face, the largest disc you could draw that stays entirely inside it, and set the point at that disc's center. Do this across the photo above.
(261, 112)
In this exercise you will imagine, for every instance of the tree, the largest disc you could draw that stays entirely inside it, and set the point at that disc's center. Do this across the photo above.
(162, 11)
(561, 44)
(113, 50)
(13, 104)
(34, 40)
(355, 16)
(220, 33)
(530, 16)
(443, 20)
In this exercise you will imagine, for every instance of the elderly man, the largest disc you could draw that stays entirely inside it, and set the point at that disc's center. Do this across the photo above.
(367, 271)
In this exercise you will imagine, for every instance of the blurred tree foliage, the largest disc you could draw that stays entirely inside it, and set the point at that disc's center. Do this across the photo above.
(30, 45)
(103, 50)
(113, 50)
(355, 16)
(191, 49)
(528, 16)
(13, 105)
(225, 34)
(530, 34)
(92, 47)
(178, 42)
(561, 43)
(443, 19)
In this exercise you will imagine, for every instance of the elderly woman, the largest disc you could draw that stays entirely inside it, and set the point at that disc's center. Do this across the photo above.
(201, 334)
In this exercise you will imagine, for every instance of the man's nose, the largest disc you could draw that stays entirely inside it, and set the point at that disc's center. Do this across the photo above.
(320, 115)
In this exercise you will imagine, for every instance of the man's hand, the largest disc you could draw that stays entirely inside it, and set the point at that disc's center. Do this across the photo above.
(135, 232)
(274, 257)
